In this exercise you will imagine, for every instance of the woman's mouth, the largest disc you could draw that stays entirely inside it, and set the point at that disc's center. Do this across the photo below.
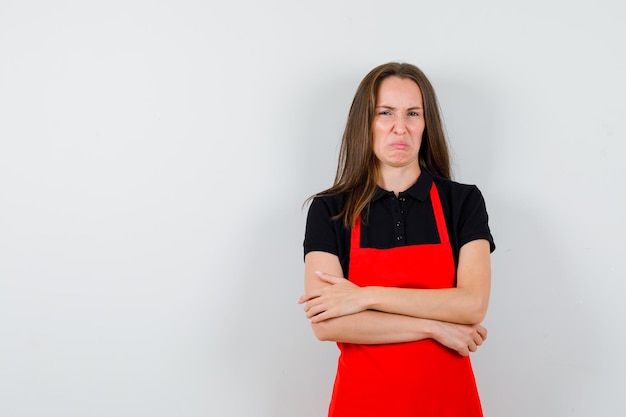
(399, 145)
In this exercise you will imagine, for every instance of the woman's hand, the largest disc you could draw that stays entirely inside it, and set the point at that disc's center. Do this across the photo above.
(341, 298)
(461, 338)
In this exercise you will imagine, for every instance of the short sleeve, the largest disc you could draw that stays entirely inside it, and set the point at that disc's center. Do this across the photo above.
(320, 233)
(474, 220)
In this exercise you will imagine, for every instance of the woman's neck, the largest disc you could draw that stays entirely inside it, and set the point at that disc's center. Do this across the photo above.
(398, 179)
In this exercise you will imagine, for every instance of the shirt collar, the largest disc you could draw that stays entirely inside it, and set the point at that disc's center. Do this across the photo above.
(420, 190)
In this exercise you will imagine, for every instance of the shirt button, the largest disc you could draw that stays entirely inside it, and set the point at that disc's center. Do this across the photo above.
(400, 238)
(398, 224)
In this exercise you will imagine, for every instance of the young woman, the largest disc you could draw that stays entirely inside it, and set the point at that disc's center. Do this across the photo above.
(397, 259)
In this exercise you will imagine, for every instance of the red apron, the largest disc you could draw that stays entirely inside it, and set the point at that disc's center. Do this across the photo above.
(413, 379)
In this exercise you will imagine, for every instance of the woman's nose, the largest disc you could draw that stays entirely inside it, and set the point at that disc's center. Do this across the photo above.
(399, 126)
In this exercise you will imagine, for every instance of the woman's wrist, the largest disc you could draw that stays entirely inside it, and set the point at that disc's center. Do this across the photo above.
(431, 328)
(369, 297)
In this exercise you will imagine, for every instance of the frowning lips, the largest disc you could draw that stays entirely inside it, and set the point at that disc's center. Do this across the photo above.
(400, 145)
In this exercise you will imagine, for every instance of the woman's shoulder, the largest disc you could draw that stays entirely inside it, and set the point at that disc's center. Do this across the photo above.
(457, 191)
(466, 210)
(332, 202)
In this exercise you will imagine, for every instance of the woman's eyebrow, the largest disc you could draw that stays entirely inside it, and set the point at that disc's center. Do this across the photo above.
(382, 106)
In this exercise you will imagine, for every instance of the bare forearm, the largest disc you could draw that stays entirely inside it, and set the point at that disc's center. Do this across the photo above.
(373, 327)
(455, 305)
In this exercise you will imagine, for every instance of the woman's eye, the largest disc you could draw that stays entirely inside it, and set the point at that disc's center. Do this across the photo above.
(384, 112)
(413, 113)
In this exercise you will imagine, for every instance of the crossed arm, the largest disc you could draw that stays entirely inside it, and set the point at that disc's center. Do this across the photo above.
(344, 312)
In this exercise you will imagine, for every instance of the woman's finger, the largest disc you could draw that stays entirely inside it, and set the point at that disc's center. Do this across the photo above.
(304, 298)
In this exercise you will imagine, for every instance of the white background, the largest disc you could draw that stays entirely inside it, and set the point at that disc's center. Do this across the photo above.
(154, 156)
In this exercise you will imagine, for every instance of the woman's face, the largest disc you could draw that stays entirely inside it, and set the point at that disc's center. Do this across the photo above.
(398, 122)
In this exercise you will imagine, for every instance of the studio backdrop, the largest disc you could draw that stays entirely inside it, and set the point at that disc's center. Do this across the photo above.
(155, 155)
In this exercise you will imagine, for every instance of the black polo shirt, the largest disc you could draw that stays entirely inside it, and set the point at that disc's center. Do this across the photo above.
(400, 221)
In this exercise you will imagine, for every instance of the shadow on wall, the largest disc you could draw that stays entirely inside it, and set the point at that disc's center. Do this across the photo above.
(539, 350)
(533, 316)
(266, 344)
